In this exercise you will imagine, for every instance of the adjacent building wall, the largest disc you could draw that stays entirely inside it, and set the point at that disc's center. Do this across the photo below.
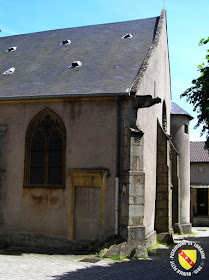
(199, 178)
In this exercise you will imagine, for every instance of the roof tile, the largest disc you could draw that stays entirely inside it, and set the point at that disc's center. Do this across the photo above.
(198, 153)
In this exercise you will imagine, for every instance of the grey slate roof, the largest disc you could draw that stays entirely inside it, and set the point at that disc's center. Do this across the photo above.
(198, 153)
(177, 110)
(109, 63)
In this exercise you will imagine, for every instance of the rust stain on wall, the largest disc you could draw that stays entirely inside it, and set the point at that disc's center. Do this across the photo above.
(49, 197)
(54, 199)
(37, 198)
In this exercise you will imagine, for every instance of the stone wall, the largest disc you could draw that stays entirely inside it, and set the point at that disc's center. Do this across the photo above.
(175, 187)
(132, 178)
(163, 217)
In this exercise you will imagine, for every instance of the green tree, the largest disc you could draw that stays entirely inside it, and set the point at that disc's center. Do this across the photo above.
(198, 95)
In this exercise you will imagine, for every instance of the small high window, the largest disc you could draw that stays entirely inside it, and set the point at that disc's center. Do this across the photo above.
(127, 36)
(11, 49)
(9, 71)
(66, 42)
(76, 64)
(45, 151)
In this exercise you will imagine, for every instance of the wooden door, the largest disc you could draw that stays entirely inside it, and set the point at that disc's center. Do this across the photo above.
(87, 213)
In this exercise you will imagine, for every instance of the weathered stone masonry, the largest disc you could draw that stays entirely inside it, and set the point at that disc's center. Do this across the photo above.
(132, 175)
(163, 220)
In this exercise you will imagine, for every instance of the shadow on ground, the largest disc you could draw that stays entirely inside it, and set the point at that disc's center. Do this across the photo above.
(156, 267)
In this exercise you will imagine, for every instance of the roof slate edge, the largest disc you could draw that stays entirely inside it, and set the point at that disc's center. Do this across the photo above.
(75, 27)
(64, 95)
(182, 113)
(138, 79)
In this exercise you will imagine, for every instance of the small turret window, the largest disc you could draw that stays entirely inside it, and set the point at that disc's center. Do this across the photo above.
(186, 128)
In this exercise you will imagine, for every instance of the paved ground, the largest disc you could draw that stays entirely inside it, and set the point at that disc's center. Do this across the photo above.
(68, 267)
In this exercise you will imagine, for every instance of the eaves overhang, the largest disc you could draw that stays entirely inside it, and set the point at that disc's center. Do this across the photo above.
(63, 96)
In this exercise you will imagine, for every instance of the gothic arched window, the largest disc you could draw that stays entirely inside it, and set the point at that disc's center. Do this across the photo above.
(45, 151)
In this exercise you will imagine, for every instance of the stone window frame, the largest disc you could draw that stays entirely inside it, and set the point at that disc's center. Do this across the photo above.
(32, 127)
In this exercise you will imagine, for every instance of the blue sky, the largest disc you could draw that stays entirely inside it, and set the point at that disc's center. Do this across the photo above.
(187, 21)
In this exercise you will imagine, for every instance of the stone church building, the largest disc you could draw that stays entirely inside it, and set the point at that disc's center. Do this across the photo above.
(89, 146)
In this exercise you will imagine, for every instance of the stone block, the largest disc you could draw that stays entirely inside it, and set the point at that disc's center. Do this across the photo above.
(136, 234)
(136, 221)
(165, 237)
(136, 190)
(185, 228)
(136, 211)
(136, 200)
(124, 250)
(151, 238)
(135, 163)
(137, 177)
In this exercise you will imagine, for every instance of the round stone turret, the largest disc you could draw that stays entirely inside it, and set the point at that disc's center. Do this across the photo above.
(180, 137)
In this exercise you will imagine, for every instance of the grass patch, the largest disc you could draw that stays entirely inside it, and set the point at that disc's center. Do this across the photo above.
(184, 234)
(142, 257)
(118, 259)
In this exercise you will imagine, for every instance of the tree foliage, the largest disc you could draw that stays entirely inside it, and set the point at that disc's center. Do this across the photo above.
(198, 95)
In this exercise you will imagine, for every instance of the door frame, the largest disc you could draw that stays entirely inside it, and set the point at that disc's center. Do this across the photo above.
(86, 178)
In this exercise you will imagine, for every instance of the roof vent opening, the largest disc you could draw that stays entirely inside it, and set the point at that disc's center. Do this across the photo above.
(127, 36)
(9, 71)
(66, 42)
(11, 49)
(76, 64)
